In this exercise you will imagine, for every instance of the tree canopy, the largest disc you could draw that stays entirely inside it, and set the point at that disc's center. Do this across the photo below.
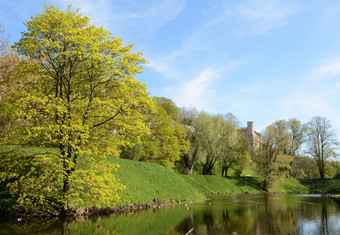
(166, 141)
(79, 96)
(271, 158)
(322, 143)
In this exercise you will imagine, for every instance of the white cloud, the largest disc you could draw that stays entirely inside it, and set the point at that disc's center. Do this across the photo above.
(164, 64)
(263, 127)
(199, 92)
(130, 17)
(263, 16)
(331, 67)
(306, 102)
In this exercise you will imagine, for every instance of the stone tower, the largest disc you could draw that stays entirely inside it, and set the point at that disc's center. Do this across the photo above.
(253, 137)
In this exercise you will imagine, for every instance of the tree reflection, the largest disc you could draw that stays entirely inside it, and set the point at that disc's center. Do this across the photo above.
(324, 218)
(272, 214)
(277, 216)
(239, 214)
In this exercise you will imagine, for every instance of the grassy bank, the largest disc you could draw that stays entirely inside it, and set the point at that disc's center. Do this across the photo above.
(292, 185)
(213, 184)
(146, 182)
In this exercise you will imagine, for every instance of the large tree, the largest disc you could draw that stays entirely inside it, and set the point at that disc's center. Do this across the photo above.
(211, 140)
(234, 152)
(322, 143)
(271, 159)
(81, 99)
(188, 120)
(298, 133)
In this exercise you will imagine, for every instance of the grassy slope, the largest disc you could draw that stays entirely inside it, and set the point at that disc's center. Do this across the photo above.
(212, 184)
(147, 181)
(292, 185)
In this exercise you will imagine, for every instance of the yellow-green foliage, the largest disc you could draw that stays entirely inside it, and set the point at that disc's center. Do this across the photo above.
(271, 160)
(34, 176)
(78, 96)
(166, 142)
(94, 183)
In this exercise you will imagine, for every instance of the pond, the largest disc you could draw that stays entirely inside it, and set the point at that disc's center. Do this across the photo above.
(232, 214)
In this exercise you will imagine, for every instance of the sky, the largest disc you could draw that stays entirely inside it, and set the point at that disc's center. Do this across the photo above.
(260, 60)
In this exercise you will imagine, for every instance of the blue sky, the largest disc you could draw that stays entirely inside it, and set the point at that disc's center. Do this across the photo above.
(260, 60)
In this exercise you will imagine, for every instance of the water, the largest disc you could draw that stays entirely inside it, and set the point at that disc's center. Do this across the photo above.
(236, 214)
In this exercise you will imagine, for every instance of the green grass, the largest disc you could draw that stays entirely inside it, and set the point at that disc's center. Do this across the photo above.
(148, 181)
(212, 184)
(292, 185)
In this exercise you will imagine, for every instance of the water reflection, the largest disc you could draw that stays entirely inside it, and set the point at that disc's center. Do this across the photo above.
(238, 214)
(273, 214)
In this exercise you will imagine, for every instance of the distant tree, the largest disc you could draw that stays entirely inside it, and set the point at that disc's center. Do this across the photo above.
(271, 159)
(8, 60)
(234, 152)
(165, 143)
(188, 119)
(211, 140)
(304, 167)
(336, 166)
(322, 143)
(81, 100)
(298, 135)
(169, 106)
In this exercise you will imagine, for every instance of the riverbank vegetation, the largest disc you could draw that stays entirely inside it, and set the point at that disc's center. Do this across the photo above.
(70, 106)
(152, 185)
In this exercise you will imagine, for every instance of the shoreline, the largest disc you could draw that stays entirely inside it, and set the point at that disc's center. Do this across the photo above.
(87, 213)
(335, 198)
(149, 185)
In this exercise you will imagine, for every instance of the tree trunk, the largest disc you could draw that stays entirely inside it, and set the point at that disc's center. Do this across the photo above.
(191, 168)
(188, 169)
(322, 173)
(226, 171)
(321, 169)
(67, 171)
(265, 184)
(207, 169)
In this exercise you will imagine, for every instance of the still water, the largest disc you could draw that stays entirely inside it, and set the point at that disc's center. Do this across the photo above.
(236, 214)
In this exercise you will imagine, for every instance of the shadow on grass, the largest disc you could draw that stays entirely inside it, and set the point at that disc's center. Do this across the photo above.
(322, 185)
(246, 181)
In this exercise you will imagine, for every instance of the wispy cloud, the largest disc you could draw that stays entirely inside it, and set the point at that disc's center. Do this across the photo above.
(331, 67)
(253, 16)
(312, 101)
(136, 18)
(263, 127)
(198, 92)
(263, 16)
